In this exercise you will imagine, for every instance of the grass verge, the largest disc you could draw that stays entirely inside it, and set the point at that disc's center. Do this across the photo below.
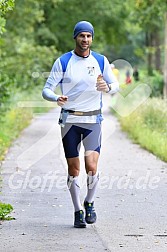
(147, 126)
(16, 117)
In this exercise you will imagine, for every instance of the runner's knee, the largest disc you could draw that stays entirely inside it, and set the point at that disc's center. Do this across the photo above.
(91, 168)
(73, 166)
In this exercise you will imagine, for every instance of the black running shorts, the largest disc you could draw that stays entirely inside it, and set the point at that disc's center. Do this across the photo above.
(87, 133)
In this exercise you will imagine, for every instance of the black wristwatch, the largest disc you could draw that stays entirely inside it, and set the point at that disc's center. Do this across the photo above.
(109, 88)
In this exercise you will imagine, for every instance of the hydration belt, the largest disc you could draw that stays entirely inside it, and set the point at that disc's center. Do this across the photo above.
(65, 112)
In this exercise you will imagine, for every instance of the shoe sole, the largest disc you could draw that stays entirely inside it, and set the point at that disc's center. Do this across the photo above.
(84, 226)
(90, 222)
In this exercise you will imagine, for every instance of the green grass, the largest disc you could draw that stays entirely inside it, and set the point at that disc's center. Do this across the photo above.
(12, 124)
(147, 126)
(16, 118)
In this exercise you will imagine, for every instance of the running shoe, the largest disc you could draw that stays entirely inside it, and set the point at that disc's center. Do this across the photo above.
(79, 221)
(90, 212)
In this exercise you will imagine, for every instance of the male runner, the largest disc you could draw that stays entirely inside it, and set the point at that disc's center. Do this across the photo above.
(82, 75)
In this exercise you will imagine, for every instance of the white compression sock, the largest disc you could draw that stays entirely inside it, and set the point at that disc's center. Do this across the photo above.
(92, 182)
(73, 186)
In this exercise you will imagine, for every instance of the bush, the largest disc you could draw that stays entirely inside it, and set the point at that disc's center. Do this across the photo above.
(5, 209)
(29, 58)
(155, 81)
(5, 88)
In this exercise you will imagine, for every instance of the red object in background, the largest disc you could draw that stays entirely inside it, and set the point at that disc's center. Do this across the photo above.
(128, 80)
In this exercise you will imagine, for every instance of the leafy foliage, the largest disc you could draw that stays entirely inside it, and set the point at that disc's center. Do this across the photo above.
(150, 14)
(21, 55)
(5, 6)
(5, 209)
(38, 31)
(156, 83)
(106, 16)
(150, 17)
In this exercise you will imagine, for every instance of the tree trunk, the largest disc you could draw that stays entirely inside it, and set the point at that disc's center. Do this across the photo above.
(149, 39)
(157, 57)
(165, 61)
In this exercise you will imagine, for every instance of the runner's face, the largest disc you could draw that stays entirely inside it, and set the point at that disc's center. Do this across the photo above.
(84, 41)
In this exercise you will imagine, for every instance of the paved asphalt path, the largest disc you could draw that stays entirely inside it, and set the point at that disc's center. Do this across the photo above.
(130, 201)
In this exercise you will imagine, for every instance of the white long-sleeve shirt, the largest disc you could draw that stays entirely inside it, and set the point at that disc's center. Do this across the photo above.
(78, 82)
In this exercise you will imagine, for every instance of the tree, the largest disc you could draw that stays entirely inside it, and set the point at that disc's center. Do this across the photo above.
(61, 16)
(5, 6)
(151, 16)
(21, 54)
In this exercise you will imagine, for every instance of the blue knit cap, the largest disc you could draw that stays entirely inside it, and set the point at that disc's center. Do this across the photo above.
(83, 26)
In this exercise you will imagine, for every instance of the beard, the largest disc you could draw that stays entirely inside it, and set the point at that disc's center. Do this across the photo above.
(82, 47)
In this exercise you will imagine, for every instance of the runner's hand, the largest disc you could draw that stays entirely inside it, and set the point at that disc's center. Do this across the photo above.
(101, 85)
(62, 100)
